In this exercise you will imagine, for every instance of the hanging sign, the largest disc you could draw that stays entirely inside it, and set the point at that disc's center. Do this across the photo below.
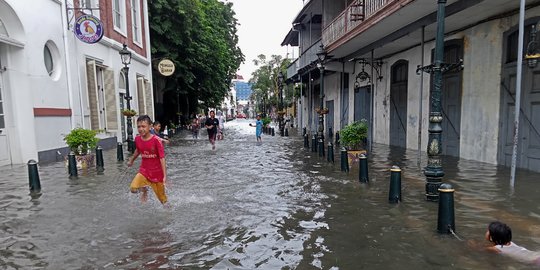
(88, 29)
(166, 67)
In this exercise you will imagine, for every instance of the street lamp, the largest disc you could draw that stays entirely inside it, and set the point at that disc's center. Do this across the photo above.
(434, 170)
(125, 55)
(533, 51)
(280, 112)
(321, 55)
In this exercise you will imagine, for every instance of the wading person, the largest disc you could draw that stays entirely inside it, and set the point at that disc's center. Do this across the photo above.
(212, 127)
(153, 170)
(499, 236)
(258, 128)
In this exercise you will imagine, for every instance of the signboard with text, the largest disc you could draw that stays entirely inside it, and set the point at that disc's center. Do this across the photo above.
(88, 29)
(166, 67)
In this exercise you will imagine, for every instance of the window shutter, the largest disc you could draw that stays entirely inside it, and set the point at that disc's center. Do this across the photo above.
(91, 84)
(140, 96)
(149, 100)
(111, 109)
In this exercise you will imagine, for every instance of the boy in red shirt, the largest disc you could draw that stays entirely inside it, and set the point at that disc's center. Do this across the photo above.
(153, 170)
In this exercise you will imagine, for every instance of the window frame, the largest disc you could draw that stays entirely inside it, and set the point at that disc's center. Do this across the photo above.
(136, 26)
(121, 11)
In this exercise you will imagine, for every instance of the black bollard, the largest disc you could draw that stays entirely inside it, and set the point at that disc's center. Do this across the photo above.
(119, 152)
(72, 165)
(306, 141)
(363, 172)
(99, 159)
(330, 156)
(337, 138)
(273, 132)
(33, 176)
(304, 131)
(320, 144)
(445, 221)
(344, 160)
(313, 144)
(286, 132)
(394, 195)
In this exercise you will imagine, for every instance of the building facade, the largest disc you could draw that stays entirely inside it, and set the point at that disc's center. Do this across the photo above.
(377, 47)
(51, 82)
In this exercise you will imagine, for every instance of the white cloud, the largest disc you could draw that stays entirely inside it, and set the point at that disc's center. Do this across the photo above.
(263, 26)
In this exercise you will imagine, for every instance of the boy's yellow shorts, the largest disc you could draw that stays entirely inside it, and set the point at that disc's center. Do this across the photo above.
(140, 181)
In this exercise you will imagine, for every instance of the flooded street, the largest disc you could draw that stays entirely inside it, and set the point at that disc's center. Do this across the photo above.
(273, 205)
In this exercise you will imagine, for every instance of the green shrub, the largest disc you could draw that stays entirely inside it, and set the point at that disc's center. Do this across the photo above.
(81, 141)
(353, 135)
(266, 121)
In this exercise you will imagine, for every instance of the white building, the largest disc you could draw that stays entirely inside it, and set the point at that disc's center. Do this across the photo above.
(51, 82)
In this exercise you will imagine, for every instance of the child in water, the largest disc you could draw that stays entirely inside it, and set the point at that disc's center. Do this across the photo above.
(500, 237)
(153, 169)
(258, 128)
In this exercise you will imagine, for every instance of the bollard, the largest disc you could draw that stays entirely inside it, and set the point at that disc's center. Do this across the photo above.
(313, 144)
(99, 159)
(330, 134)
(273, 132)
(344, 160)
(394, 195)
(286, 132)
(33, 176)
(445, 221)
(330, 156)
(337, 138)
(119, 152)
(363, 172)
(72, 165)
(304, 131)
(320, 143)
(306, 141)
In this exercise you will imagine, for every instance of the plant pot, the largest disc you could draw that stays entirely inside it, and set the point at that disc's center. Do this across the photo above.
(353, 156)
(83, 161)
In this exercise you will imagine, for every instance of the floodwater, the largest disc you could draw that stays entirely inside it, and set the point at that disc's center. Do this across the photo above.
(273, 205)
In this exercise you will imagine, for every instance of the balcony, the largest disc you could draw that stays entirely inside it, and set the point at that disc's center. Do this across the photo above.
(306, 58)
(351, 17)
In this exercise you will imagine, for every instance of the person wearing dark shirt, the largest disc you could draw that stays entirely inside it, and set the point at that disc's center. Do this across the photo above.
(212, 127)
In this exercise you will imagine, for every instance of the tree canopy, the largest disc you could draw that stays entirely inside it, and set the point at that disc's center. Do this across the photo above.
(200, 37)
(265, 81)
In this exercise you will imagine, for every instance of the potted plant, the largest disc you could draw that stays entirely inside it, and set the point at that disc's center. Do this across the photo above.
(81, 142)
(323, 111)
(129, 113)
(353, 137)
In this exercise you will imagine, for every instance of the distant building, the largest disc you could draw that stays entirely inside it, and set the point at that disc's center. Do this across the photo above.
(243, 91)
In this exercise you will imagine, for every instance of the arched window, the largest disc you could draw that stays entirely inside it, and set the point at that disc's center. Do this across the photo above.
(122, 80)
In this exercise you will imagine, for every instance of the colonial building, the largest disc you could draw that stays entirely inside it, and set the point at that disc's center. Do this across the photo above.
(52, 82)
(376, 48)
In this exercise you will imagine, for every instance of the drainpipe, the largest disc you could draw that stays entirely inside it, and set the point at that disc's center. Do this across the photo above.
(421, 100)
(518, 92)
(63, 15)
(372, 100)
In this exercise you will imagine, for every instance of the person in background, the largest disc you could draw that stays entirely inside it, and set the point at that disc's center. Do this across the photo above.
(156, 130)
(211, 125)
(258, 128)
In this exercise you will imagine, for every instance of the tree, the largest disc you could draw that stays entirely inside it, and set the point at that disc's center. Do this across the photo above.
(265, 80)
(200, 37)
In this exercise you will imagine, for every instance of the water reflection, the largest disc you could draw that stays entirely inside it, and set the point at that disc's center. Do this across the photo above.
(273, 205)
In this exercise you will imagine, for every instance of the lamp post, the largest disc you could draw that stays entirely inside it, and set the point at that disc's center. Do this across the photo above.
(280, 110)
(125, 55)
(321, 55)
(434, 171)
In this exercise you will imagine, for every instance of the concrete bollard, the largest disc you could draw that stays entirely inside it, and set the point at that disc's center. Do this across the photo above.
(119, 152)
(306, 141)
(394, 194)
(330, 156)
(33, 176)
(344, 160)
(286, 132)
(363, 172)
(337, 138)
(72, 165)
(320, 144)
(99, 159)
(314, 144)
(445, 221)
(273, 132)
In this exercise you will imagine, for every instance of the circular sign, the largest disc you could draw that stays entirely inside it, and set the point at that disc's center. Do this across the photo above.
(88, 29)
(166, 67)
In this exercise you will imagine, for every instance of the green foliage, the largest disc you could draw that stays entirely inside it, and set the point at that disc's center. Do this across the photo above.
(266, 121)
(353, 135)
(200, 37)
(265, 81)
(81, 140)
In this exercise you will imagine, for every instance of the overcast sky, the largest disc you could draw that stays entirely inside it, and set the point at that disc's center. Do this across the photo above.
(263, 26)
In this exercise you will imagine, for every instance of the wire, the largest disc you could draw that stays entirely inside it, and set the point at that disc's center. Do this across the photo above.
(453, 233)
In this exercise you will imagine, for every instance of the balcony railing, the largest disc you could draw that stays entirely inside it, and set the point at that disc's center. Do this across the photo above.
(307, 57)
(351, 17)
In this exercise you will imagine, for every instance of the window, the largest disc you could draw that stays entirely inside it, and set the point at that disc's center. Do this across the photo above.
(119, 12)
(86, 4)
(51, 59)
(136, 20)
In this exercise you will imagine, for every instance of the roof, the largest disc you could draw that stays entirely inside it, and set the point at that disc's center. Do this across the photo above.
(291, 38)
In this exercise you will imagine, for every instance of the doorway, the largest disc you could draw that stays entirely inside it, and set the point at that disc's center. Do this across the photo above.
(362, 103)
(5, 154)
(398, 104)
